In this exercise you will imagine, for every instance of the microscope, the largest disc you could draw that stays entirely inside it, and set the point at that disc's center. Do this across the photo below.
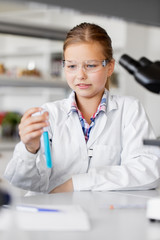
(147, 73)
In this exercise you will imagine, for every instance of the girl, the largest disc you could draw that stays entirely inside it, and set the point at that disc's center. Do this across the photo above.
(96, 139)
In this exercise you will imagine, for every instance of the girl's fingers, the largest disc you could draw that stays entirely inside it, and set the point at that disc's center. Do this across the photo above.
(29, 137)
(32, 128)
(31, 125)
(31, 111)
(29, 120)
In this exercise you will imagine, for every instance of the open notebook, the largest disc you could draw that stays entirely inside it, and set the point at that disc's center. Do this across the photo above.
(45, 218)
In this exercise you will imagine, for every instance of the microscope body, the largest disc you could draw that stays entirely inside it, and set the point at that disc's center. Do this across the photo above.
(146, 72)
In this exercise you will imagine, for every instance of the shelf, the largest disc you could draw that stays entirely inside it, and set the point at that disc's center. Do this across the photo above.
(32, 82)
(23, 29)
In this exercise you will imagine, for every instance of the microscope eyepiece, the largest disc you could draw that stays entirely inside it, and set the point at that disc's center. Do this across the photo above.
(129, 63)
(147, 73)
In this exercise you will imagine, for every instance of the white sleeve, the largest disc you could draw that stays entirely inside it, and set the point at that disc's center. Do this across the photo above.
(28, 171)
(140, 165)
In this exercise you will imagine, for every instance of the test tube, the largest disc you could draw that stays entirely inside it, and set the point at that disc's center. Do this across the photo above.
(47, 147)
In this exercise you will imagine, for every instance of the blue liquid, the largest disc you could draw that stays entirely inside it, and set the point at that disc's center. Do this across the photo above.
(47, 150)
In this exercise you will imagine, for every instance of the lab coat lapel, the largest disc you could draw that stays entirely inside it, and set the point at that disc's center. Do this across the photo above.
(101, 121)
(97, 129)
(74, 124)
(76, 128)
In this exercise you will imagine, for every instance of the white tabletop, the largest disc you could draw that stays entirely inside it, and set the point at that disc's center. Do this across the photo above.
(128, 223)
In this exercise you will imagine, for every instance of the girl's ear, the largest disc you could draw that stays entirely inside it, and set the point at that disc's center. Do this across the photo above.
(111, 65)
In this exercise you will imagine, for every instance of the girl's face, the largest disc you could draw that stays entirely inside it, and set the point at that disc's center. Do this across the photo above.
(87, 84)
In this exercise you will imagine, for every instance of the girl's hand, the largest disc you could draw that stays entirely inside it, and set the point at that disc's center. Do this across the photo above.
(65, 187)
(31, 128)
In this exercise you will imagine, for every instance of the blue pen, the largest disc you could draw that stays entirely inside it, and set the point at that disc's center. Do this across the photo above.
(36, 209)
(47, 148)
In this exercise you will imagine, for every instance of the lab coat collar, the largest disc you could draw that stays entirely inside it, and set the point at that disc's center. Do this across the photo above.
(110, 102)
(70, 100)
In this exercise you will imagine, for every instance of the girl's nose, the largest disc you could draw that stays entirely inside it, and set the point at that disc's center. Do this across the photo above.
(81, 72)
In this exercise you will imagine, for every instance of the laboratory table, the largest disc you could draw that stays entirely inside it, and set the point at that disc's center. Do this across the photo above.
(113, 215)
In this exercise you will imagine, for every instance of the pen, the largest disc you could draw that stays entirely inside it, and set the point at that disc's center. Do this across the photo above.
(47, 148)
(129, 206)
(36, 209)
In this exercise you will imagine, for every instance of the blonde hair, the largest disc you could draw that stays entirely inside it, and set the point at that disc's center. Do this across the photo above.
(89, 32)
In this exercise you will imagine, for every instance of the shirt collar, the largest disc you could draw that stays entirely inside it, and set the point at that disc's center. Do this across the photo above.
(102, 106)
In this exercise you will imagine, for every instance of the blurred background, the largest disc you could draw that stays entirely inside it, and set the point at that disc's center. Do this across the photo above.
(31, 40)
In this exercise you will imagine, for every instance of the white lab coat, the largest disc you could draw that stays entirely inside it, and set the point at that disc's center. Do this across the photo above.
(119, 160)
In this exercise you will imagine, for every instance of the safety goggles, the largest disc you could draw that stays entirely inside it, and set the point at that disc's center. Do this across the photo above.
(89, 66)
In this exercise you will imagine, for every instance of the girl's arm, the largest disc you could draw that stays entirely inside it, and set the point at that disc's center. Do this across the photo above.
(27, 170)
(65, 187)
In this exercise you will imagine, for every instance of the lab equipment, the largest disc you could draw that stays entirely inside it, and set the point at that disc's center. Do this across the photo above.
(153, 209)
(147, 73)
(46, 142)
(47, 148)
